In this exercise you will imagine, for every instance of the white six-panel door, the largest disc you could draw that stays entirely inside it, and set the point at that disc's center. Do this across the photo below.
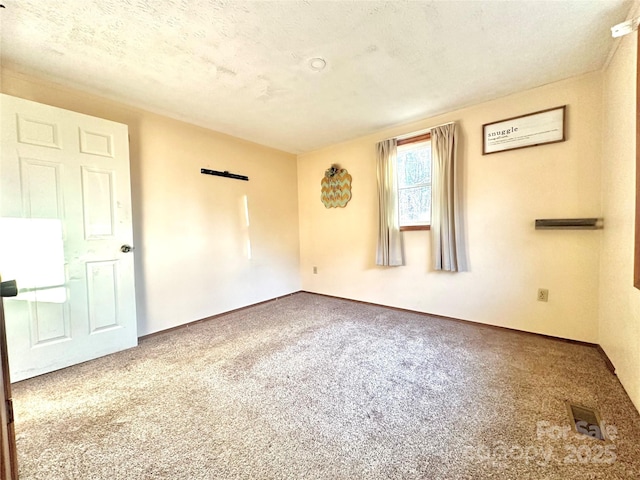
(65, 213)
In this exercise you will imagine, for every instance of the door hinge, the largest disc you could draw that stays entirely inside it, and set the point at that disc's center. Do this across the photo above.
(9, 404)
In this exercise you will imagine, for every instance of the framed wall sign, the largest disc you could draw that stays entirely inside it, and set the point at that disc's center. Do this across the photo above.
(538, 128)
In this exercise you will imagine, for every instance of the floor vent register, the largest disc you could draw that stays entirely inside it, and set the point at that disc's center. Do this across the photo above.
(586, 421)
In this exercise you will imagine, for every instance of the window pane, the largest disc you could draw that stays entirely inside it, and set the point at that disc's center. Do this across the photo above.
(414, 165)
(415, 206)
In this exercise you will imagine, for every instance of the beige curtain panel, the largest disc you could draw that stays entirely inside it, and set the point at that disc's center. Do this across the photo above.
(446, 216)
(390, 252)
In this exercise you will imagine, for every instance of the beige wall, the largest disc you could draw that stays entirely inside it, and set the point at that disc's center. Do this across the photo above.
(189, 229)
(619, 300)
(191, 258)
(505, 193)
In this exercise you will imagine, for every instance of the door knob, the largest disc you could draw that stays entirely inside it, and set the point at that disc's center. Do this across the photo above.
(126, 248)
(8, 288)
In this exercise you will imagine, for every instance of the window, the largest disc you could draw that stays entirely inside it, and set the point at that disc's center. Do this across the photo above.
(414, 182)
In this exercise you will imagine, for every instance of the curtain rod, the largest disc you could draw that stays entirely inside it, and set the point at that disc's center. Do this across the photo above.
(417, 132)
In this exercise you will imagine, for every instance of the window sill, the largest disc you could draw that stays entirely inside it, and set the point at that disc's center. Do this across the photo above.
(410, 228)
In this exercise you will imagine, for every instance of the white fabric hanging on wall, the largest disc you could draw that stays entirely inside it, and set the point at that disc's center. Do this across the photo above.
(446, 216)
(390, 250)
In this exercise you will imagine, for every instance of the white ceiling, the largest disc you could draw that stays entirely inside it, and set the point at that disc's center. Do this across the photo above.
(242, 67)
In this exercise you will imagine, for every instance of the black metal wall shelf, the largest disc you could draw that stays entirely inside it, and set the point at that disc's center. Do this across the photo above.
(569, 223)
(224, 174)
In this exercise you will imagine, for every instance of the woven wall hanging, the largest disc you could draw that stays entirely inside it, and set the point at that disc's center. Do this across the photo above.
(336, 187)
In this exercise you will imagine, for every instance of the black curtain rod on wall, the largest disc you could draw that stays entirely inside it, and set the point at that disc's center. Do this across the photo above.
(224, 174)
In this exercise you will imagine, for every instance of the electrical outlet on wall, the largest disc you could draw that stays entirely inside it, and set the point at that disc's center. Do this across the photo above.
(543, 295)
(315, 270)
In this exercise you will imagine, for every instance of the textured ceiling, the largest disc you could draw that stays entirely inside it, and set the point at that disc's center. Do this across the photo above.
(242, 68)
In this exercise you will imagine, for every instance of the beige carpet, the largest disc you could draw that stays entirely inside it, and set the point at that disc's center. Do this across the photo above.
(309, 387)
